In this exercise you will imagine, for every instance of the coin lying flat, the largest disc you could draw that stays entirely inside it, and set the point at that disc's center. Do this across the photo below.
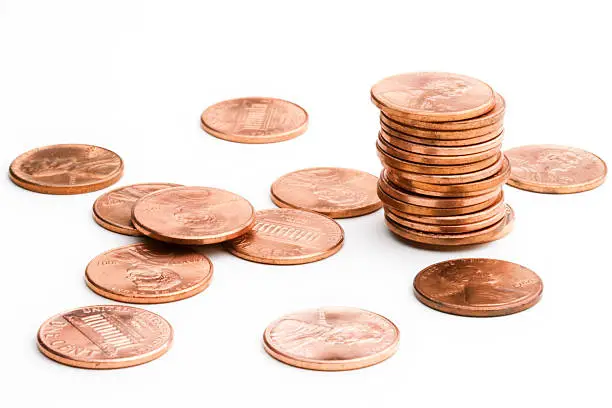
(66, 169)
(193, 215)
(286, 236)
(107, 336)
(555, 169)
(433, 96)
(478, 287)
(113, 210)
(335, 192)
(149, 272)
(255, 120)
(331, 339)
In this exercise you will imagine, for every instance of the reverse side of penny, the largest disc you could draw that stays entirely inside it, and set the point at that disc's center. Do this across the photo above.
(286, 236)
(478, 287)
(332, 191)
(555, 169)
(255, 120)
(149, 272)
(106, 336)
(66, 169)
(113, 210)
(331, 339)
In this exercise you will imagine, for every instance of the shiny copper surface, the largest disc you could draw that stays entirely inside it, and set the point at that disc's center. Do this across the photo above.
(478, 287)
(433, 96)
(494, 115)
(66, 169)
(193, 215)
(107, 336)
(255, 120)
(335, 192)
(113, 210)
(397, 125)
(386, 127)
(446, 229)
(286, 236)
(331, 339)
(149, 272)
(555, 169)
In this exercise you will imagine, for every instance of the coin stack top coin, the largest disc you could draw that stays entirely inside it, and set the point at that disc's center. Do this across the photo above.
(440, 146)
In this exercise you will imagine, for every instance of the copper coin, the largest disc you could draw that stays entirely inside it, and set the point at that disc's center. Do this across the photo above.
(496, 208)
(255, 120)
(555, 169)
(441, 134)
(66, 169)
(478, 287)
(494, 115)
(433, 96)
(387, 159)
(415, 147)
(285, 236)
(149, 272)
(394, 150)
(113, 210)
(431, 193)
(335, 192)
(331, 339)
(106, 336)
(193, 215)
(386, 127)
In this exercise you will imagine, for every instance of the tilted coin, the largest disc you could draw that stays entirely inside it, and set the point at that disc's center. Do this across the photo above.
(478, 287)
(149, 272)
(255, 120)
(285, 236)
(441, 134)
(331, 339)
(105, 336)
(193, 215)
(555, 169)
(66, 169)
(494, 115)
(335, 192)
(433, 96)
(387, 127)
(113, 210)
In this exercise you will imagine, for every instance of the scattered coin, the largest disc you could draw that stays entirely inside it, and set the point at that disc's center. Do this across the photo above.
(108, 336)
(433, 96)
(113, 210)
(332, 191)
(149, 272)
(478, 287)
(193, 215)
(331, 339)
(286, 236)
(555, 169)
(66, 169)
(255, 120)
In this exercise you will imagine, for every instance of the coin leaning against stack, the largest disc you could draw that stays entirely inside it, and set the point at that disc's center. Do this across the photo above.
(440, 146)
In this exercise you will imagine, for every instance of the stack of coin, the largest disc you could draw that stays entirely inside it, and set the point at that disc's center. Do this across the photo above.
(440, 145)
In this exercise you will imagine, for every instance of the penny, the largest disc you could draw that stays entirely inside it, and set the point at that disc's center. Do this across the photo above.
(255, 120)
(494, 115)
(431, 193)
(440, 134)
(394, 150)
(66, 169)
(335, 192)
(331, 339)
(413, 145)
(439, 142)
(403, 176)
(106, 336)
(389, 160)
(433, 96)
(113, 210)
(193, 215)
(478, 287)
(286, 236)
(555, 169)
(149, 272)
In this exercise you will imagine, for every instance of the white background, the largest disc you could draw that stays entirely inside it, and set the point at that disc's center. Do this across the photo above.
(134, 76)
